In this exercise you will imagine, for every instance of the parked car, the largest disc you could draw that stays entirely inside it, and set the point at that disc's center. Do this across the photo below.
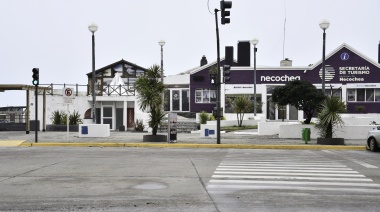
(373, 139)
(4, 121)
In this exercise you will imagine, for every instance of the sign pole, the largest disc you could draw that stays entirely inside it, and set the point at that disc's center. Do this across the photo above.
(68, 96)
(67, 123)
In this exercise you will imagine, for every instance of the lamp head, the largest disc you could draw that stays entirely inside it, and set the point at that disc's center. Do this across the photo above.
(161, 42)
(93, 27)
(324, 24)
(254, 41)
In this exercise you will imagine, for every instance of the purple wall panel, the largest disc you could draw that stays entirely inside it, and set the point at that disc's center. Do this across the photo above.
(342, 67)
(370, 107)
(204, 84)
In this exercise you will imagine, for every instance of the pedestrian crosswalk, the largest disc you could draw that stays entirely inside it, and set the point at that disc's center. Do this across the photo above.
(288, 173)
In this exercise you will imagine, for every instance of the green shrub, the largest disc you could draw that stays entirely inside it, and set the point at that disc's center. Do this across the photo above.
(139, 125)
(74, 119)
(203, 117)
(360, 109)
(57, 117)
(212, 118)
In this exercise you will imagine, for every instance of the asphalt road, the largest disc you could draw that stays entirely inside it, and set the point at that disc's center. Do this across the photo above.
(167, 179)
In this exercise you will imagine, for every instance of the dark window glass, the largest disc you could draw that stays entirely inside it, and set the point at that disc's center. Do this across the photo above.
(185, 100)
(107, 112)
(377, 94)
(369, 94)
(360, 95)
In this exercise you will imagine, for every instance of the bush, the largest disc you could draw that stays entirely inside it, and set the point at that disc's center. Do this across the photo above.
(60, 118)
(203, 117)
(57, 117)
(74, 119)
(212, 118)
(139, 125)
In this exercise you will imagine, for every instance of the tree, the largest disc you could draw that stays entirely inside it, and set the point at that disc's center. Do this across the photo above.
(329, 117)
(241, 105)
(150, 90)
(301, 94)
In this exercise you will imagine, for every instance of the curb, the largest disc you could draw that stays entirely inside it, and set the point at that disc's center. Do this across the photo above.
(176, 145)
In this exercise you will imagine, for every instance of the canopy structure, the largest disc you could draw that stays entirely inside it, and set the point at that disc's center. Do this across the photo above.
(27, 88)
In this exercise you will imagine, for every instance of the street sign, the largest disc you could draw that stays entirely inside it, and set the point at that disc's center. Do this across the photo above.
(68, 95)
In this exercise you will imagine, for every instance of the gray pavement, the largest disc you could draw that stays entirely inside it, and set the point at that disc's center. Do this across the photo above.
(236, 137)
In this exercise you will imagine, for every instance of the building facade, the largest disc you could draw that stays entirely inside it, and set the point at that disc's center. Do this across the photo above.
(351, 75)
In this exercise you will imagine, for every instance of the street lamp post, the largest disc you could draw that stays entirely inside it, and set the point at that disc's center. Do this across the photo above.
(93, 27)
(162, 43)
(324, 24)
(254, 42)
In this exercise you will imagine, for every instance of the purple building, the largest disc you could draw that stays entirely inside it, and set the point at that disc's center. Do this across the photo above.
(355, 77)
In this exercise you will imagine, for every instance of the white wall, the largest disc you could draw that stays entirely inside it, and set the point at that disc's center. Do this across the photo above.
(271, 128)
(81, 103)
(346, 132)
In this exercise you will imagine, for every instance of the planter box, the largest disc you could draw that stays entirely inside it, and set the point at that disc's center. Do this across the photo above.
(155, 138)
(94, 130)
(330, 141)
(63, 128)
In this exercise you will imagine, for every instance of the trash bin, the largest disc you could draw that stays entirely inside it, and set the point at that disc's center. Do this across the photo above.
(306, 134)
(303, 133)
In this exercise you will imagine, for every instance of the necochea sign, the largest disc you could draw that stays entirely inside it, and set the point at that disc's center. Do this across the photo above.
(284, 78)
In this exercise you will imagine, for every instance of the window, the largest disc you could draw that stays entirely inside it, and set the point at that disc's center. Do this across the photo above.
(351, 95)
(369, 95)
(360, 95)
(363, 95)
(377, 94)
(205, 96)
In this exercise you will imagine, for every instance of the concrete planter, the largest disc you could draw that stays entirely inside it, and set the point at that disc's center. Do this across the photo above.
(155, 138)
(330, 141)
(56, 127)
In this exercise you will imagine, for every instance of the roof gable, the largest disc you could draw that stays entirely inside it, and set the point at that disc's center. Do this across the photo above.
(121, 63)
(348, 47)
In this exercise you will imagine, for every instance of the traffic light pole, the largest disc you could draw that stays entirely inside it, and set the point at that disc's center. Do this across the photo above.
(36, 117)
(217, 81)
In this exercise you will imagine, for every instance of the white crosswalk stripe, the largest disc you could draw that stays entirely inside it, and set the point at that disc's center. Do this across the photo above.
(316, 174)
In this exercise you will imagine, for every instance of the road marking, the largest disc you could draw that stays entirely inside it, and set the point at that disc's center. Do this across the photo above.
(11, 143)
(288, 173)
(253, 182)
(288, 170)
(291, 174)
(293, 178)
(303, 188)
(366, 165)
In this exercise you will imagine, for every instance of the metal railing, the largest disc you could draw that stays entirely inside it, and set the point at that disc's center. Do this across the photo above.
(107, 90)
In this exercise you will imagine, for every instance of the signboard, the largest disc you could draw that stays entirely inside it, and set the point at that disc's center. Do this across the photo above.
(172, 127)
(68, 95)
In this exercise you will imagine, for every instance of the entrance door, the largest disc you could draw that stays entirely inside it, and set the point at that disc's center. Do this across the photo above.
(130, 117)
(107, 116)
(175, 100)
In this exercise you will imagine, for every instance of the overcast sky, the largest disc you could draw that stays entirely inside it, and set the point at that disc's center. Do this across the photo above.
(53, 35)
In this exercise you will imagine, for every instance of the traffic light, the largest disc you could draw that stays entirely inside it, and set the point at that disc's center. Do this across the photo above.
(213, 78)
(226, 73)
(36, 76)
(225, 14)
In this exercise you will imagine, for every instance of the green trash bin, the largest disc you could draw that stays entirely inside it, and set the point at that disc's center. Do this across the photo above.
(307, 134)
(303, 134)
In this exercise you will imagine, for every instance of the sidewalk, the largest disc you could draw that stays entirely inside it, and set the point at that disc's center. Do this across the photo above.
(236, 139)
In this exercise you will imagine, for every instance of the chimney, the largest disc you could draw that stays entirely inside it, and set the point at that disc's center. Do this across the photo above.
(244, 53)
(203, 61)
(286, 62)
(229, 57)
